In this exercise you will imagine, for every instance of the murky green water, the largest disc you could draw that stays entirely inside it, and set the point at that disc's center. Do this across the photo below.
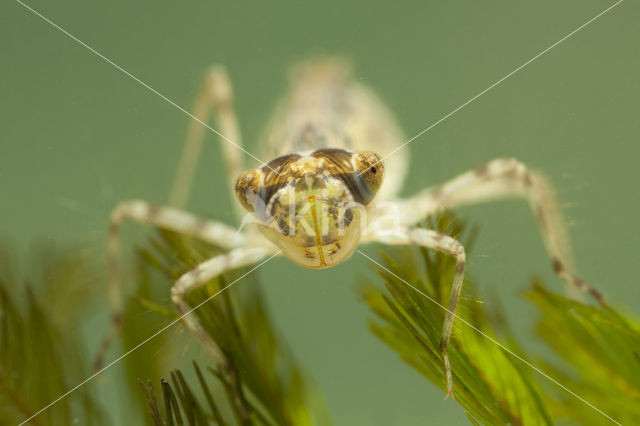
(78, 136)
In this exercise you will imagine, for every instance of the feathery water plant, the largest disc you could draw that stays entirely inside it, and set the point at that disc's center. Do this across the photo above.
(259, 382)
(599, 347)
(595, 351)
(42, 354)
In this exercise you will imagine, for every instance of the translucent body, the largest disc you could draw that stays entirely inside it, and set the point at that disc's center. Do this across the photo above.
(313, 207)
(312, 198)
(327, 108)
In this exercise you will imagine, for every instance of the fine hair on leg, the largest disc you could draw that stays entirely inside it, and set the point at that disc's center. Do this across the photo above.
(446, 244)
(162, 217)
(506, 178)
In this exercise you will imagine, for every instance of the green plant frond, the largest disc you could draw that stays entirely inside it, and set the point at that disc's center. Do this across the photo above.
(597, 350)
(144, 318)
(261, 381)
(41, 355)
(600, 353)
(181, 404)
(491, 387)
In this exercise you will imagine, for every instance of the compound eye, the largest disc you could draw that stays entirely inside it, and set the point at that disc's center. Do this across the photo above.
(247, 188)
(369, 167)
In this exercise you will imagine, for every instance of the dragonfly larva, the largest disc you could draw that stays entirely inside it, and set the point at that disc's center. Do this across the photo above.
(328, 187)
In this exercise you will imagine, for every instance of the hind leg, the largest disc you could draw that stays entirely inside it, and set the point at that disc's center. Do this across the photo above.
(215, 94)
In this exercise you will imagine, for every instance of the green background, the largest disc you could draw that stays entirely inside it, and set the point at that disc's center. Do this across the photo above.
(78, 136)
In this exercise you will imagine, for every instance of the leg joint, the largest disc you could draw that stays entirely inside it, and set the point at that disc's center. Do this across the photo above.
(177, 293)
(557, 265)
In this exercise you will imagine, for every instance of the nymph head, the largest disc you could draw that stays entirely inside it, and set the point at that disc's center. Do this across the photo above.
(313, 207)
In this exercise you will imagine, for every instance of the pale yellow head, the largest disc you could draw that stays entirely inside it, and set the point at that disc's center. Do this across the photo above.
(313, 207)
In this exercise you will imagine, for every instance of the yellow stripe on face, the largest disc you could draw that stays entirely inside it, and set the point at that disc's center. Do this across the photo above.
(316, 229)
(325, 182)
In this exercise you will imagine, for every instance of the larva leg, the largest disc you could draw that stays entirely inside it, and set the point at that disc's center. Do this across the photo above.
(162, 217)
(502, 178)
(217, 94)
(203, 273)
(437, 241)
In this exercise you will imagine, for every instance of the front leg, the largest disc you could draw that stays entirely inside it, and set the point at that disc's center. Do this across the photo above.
(498, 179)
(442, 242)
(205, 272)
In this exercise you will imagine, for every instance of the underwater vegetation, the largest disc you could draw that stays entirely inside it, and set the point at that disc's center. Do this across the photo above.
(592, 351)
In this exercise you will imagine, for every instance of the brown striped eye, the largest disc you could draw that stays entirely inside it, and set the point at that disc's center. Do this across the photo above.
(370, 168)
(247, 187)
